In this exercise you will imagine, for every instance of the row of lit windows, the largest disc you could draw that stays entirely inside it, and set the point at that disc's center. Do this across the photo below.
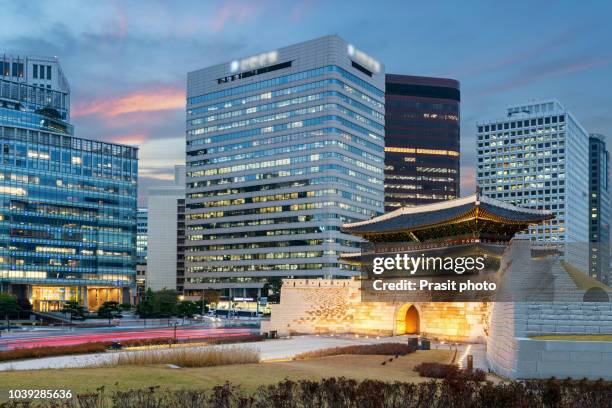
(285, 162)
(44, 210)
(299, 76)
(288, 173)
(284, 126)
(273, 244)
(316, 217)
(419, 196)
(265, 255)
(284, 103)
(282, 208)
(74, 143)
(33, 121)
(52, 155)
(524, 123)
(71, 236)
(302, 136)
(287, 149)
(264, 233)
(288, 196)
(424, 169)
(421, 151)
(289, 184)
(522, 174)
(541, 135)
(286, 115)
(285, 91)
(38, 275)
(256, 268)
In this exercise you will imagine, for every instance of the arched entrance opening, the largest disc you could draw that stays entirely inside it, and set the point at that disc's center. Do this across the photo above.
(407, 320)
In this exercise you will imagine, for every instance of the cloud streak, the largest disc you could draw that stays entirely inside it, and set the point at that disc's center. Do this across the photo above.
(150, 100)
(232, 11)
(549, 69)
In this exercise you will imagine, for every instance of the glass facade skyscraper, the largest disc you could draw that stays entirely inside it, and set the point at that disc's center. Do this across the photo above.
(599, 197)
(282, 149)
(421, 140)
(538, 157)
(67, 205)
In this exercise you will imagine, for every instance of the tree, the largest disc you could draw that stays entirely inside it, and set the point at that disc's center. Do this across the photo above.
(161, 303)
(145, 306)
(202, 306)
(272, 289)
(164, 302)
(8, 306)
(108, 310)
(74, 308)
(186, 308)
(125, 306)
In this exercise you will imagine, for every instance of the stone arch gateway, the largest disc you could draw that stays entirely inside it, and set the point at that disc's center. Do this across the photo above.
(407, 320)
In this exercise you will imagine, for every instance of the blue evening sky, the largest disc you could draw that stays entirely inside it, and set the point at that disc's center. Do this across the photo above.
(127, 60)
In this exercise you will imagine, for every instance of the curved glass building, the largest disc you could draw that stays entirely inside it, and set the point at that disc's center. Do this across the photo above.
(421, 140)
(67, 205)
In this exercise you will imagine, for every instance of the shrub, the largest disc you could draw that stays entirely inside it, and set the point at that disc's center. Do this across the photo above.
(100, 347)
(187, 357)
(236, 339)
(383, 349)
(449, 371)
(345, 393)
(38, 352)
(146, 342)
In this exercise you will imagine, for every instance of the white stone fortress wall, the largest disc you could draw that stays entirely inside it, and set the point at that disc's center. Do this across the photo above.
(317, 306)
(512, 350)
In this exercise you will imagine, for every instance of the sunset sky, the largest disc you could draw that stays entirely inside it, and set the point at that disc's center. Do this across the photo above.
(127, 61)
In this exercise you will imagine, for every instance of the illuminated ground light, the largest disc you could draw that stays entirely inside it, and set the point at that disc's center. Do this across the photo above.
(464, 355)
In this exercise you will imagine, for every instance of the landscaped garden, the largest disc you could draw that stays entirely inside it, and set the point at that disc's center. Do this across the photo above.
(380, 375)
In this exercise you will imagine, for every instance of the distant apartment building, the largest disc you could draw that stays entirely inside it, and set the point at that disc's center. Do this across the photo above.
(67, 204)
(141, 250)
(283, 148)
(165, 228)
(599, 196)
(421, 140)
(537, 156)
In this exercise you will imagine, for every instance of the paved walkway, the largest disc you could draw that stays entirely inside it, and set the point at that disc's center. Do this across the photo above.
(278, 349)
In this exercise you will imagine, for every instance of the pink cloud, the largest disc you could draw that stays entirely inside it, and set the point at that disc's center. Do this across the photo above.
(233, 11)
(133, 139)
(161, 99)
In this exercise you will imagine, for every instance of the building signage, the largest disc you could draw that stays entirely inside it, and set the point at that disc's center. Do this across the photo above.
(364, 59)
(254, 62)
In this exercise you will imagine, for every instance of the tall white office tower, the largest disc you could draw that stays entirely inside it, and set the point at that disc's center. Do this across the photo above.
(537, 156)
(283, 148)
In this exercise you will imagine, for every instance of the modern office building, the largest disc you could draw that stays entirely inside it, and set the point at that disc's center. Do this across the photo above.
(141, 250)
(421, 140)
(67, 205)
(537, 156)
(282, 149)
(599, 195)
(165, 226)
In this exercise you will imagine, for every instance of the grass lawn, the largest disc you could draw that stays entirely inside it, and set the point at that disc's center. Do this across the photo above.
(248, 376)
(576, 337)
